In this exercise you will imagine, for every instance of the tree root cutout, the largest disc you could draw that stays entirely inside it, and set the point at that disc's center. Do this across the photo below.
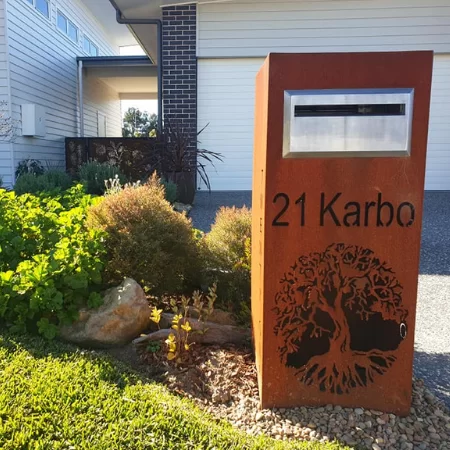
(351, 370)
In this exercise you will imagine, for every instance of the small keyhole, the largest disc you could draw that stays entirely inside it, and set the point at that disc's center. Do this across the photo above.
(403, 330)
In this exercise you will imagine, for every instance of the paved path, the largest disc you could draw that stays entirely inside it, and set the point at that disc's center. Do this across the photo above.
(432, 343)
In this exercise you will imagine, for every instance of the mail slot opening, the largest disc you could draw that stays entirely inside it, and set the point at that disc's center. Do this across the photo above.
(352, 110)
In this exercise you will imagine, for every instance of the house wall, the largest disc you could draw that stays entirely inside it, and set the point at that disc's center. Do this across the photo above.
(255, 28)
(99, 97)
(6, 162)
(232, 34)
(43, 71)
(180, 68)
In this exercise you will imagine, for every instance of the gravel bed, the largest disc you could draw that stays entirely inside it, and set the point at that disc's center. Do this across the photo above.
(223, 381)
(427, 427)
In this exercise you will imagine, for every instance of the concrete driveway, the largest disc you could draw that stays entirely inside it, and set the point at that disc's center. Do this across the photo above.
(432, 341)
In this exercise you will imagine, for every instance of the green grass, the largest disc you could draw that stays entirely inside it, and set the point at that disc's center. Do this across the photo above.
(53, 396)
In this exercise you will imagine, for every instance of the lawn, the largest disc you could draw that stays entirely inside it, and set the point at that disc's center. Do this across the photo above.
(54, 396)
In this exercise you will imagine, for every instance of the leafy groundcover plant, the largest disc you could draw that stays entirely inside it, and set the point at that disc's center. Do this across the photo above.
(50, 264)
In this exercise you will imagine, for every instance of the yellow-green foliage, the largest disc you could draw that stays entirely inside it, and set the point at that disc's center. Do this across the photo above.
(50, 264)
(146, 239)
(227, 239)
(227, 250)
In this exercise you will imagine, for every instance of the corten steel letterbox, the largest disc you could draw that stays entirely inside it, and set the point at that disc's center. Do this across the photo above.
(338, 182)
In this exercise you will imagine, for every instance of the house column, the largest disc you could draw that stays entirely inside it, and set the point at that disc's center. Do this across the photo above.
(179, 30)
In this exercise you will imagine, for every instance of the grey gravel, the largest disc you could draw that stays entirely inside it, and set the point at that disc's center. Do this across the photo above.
(206, 205)
(428, 423)
(432, 341)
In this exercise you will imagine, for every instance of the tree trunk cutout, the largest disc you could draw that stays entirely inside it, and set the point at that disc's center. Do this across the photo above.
(340, 318)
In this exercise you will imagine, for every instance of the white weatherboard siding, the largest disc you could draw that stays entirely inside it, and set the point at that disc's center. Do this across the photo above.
(226, 90)
(235, 37)
(253, 28)
(98, 96)
(43, 71)
(6, 163)
(438, 161)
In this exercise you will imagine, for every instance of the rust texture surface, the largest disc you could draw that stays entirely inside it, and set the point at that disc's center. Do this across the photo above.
(336, 241)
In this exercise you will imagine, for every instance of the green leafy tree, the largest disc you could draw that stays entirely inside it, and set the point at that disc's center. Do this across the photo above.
(137, 123)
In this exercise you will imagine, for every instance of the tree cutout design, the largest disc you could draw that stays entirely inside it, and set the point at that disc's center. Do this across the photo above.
(340, 318)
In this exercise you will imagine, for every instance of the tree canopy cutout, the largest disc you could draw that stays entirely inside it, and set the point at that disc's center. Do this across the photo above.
(340, 318)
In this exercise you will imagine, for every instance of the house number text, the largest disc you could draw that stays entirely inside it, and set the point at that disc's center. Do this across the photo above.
(335, 210)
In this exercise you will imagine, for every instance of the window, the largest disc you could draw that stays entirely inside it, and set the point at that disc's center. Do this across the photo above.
(89, 47)
(67, 27)
(43, 6)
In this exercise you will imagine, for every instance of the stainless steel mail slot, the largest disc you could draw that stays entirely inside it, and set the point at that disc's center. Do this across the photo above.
(344, 123)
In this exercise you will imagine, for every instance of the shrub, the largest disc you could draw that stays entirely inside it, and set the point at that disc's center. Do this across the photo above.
(49, 181)
(170, 190)
(227, 250)
(114, 186)
(49, 262)
(28, 165)
(93, 176)
(146, 239)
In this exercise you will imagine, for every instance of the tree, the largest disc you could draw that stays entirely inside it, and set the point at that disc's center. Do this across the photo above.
(139, 124)
(340, 318)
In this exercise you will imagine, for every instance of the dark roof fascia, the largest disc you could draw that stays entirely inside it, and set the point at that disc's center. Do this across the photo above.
(100, 61)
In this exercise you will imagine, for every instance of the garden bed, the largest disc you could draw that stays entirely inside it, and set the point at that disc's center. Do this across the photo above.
(223, 381)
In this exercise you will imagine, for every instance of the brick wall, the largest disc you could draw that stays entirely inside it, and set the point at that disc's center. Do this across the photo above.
(179, 27)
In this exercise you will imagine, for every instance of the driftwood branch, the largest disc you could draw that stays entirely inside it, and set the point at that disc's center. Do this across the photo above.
(202, 332)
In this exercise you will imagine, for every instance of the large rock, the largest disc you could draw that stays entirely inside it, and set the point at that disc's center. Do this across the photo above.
(124, 315)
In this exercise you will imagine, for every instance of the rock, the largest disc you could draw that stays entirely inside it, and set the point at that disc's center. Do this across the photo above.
(222, 318)
(182, 208)
(359, 411)
(259, 416)
(125, 314)
(376, 447)
(349, 440)
(435, 437)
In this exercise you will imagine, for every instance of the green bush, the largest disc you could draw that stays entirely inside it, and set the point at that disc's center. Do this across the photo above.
(146, 239)
(50, 264)
(94, 174)
(49, 181)
(227, 250)
(170, 190)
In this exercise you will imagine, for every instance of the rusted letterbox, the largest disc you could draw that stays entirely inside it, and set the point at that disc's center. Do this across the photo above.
(339, 165)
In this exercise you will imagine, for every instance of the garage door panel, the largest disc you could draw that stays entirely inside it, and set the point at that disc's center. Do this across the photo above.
(438, 160)
(226, 102)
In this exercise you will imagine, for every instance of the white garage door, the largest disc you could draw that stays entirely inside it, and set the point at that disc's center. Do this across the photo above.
(438, 161)
(226, 102)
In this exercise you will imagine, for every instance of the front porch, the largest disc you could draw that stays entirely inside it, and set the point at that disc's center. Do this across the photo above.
(103, 82)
